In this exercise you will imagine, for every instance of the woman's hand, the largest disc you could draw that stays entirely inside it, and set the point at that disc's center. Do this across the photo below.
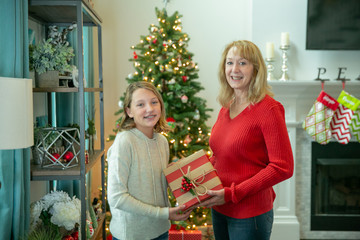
(218, 198)
(177, 214)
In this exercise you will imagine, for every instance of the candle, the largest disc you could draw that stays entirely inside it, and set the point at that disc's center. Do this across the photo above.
(269, 50)
(285, 39)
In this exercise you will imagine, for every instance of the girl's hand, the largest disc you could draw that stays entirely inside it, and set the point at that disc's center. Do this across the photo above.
(218, 198)
(177, 214)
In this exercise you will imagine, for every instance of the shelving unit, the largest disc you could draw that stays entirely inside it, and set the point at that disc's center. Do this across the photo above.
(63, 13)
(45, 174)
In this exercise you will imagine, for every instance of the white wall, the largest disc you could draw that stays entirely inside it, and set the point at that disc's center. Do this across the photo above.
(270, 18)
(210, 24)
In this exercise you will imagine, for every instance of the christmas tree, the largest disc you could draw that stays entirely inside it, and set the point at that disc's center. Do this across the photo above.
(161, 58)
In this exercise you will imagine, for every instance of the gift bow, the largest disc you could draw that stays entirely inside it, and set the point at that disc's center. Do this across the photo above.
(200, 190)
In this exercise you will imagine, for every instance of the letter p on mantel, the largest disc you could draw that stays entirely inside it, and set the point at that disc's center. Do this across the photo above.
(322, 70)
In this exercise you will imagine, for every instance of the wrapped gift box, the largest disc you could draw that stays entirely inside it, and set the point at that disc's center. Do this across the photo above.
(184, 235)
(197, 169)
(207, 232)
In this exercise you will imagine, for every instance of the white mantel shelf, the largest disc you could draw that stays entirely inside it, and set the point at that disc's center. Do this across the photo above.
(298, 89)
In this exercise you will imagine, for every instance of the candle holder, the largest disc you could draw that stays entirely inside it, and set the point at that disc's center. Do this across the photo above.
(284, 68)
(270, 69)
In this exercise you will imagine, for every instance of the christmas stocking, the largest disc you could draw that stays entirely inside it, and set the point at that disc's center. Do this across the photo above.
(340, 123)
(355, 125)
(317, 122)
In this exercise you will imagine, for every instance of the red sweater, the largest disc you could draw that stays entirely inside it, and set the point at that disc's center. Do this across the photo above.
(251, 153)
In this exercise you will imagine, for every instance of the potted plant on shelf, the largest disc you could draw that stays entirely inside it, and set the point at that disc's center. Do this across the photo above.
(51, 57)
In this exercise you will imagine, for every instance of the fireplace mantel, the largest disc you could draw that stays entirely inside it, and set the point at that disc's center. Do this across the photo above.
(300, 89)
(297, 97)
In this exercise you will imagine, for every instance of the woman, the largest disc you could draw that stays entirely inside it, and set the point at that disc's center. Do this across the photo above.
(250, 144)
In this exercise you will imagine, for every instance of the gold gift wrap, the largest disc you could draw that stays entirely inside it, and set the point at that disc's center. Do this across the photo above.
(200, 174)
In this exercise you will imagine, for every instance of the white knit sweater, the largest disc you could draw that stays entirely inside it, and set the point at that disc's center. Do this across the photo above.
(137, 188)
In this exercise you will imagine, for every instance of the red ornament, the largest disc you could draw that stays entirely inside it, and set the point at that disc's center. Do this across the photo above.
(86, 157)
(154, 41)
(109, 237)
(135, 55)
(56, 156)
(68, 237)
(170, 119)
(184, 78)
(68, 156)
(171, 122)
(75, 235)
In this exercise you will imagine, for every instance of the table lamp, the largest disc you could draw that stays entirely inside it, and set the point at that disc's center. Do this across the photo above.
(16, 113)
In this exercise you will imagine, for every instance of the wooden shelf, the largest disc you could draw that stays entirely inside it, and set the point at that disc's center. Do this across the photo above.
(66, 89)
(40, 174)
(62, 11)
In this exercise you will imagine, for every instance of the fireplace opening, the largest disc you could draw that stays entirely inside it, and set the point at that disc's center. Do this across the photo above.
(335, 187)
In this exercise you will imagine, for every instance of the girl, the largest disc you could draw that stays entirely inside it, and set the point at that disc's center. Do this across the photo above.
(137, 188)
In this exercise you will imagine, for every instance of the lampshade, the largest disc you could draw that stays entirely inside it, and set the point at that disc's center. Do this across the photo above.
(16, 113)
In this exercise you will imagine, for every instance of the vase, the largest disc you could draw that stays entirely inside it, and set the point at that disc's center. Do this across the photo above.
(91, 144)
(38, 156)
(32, 76)
(47, 79)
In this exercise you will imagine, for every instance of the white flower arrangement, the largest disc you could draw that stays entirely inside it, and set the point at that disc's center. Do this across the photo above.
(56, 209)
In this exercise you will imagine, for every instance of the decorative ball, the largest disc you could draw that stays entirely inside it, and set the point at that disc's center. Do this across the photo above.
(68, 156)
(184, 78)
(172, 81)
(121, 104)
(75, 235)
(56, 156)
(68, 237)
(135, 55)
(187, 139)
(130, 76)
(86, 157)
(184, 98)
(191, 65)
(171, 122)
(197, 116)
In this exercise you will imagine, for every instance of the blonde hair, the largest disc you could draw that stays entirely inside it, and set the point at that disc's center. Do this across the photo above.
(258, 87)
(127, 122)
